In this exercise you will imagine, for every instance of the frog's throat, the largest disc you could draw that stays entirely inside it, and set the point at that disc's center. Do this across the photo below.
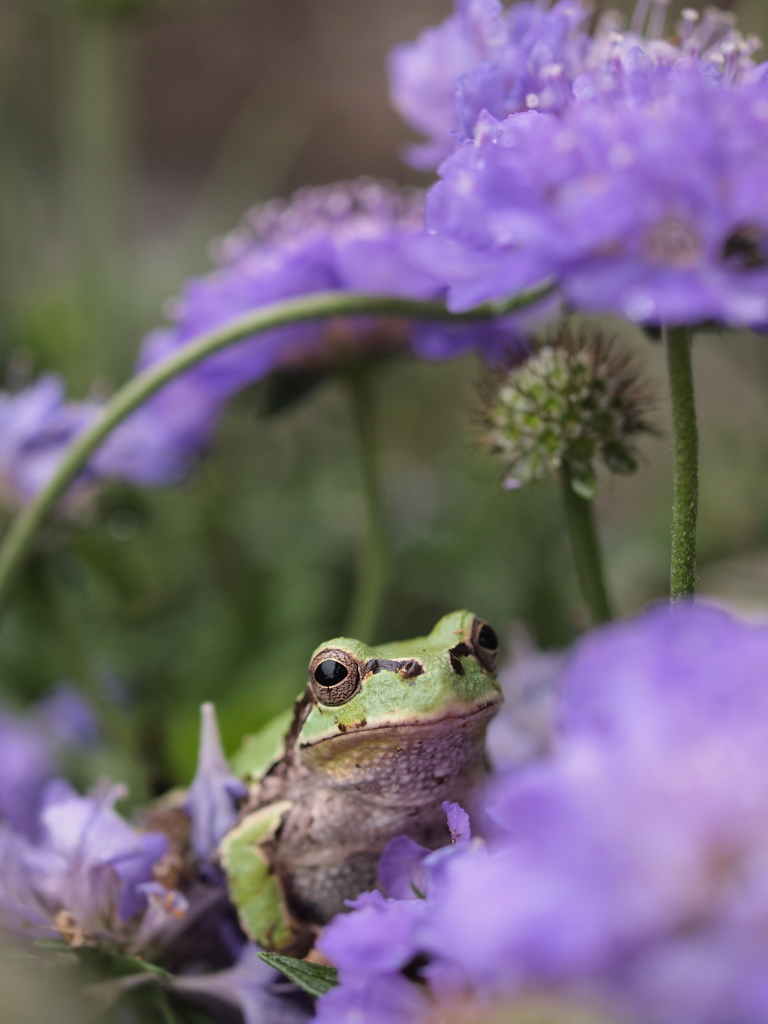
(342, 735)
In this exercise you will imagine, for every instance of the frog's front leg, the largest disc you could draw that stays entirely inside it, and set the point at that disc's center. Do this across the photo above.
(255, 888)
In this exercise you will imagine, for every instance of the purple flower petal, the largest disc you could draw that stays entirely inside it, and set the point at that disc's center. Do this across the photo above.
(458, 822)
(213, 796)
(401, 870)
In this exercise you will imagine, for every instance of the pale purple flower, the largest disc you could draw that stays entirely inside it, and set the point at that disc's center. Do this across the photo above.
(37, 424)
(483, 57)
(353, 236)
(360, 236)
(82, 878)
(630, 866)
(354, 941)
(157, 445)
(458, 822)
(530, 681)
(214, 793)
(530, 56)
(31, 745)
(653, 208)
(401, 871)
(250, 986)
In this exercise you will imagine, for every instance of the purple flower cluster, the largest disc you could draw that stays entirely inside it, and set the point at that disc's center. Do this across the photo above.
(74, 870)
(627, 873)
(650, 205)
(31, 746)
(622, 166)
(87, 877)
(36, 425)
(357, 236)
(354, 236)
(529, 56)
(483, 57)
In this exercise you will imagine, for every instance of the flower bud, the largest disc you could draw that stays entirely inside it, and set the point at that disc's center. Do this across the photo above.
(577, 401)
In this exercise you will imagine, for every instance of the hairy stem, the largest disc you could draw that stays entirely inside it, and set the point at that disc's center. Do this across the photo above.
(685, 495)
(372, 562)
(580, 520)
(24, 527)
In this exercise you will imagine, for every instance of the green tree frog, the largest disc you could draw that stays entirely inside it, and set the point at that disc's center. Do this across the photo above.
(379, 739)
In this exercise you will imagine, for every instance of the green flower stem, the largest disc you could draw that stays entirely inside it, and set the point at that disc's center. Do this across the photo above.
(373, 558)
(28, 521)
(579, 517)
(685, 496)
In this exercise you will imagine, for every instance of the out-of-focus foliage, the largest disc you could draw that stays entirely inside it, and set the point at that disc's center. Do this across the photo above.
(124, 145)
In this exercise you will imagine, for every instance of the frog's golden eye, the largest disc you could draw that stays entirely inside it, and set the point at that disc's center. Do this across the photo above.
(485, 644)
(334, 677)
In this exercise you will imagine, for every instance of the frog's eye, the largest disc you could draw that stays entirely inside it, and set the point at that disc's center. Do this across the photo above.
(334, 677)
(485, 644)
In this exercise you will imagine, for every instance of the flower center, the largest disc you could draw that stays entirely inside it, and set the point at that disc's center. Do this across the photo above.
(673, 242)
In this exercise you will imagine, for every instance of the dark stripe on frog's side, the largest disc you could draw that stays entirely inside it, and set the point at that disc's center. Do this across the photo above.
(407, 668)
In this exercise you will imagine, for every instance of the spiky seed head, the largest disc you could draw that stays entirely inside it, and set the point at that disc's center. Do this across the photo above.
(576, 402)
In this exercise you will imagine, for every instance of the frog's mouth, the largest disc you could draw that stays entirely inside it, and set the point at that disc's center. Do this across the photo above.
(457, 720)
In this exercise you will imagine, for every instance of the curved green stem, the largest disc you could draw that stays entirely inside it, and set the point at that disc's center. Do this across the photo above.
(580, 520)
(685, 495)
(19, 538)
(372, 566)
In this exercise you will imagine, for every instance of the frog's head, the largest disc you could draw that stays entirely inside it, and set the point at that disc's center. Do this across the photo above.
(425, 682)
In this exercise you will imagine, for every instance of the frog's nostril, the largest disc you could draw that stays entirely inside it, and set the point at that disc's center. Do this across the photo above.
(411, 669)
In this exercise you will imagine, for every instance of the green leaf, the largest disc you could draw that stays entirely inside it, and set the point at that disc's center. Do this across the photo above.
(313, 978)
(102, 962)
(54, 946)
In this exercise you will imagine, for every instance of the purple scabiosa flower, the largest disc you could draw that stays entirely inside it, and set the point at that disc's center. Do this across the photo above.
(88, 877)
(627, 872)
(156, 446)
(402, 874)
(525, 726)
(31, 745)
(354, 236)
(373, 988)
(250, 986)
(483, 57)
(709, 41)
(214, 793)
(530, 56)
(36, 426)
(651, 209)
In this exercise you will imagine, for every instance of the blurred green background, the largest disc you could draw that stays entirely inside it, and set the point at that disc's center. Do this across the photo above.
(131, 133)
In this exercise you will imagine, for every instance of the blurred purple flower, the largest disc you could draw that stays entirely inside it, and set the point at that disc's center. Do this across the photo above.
(31, 745)
(458, 822)
(36, 426)
(655, 210)
(354, 236)
(529, 56)
(250, 986)
(530, 681)
(214, 793)
(630, 867)
(402, 873)
(354, 941)
(483, 57)
(83, 878)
